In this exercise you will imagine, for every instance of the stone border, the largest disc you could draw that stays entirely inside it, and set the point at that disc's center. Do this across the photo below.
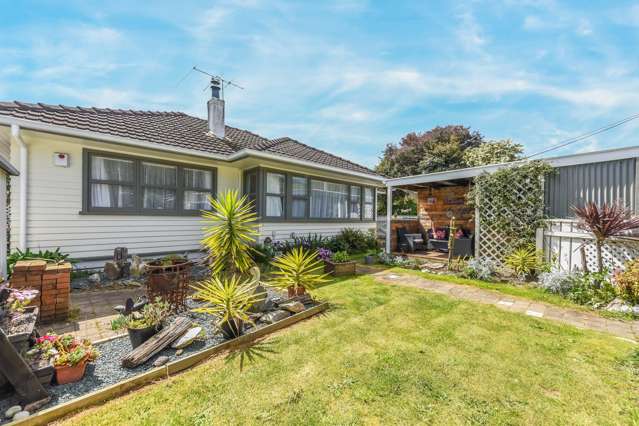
(102, 395)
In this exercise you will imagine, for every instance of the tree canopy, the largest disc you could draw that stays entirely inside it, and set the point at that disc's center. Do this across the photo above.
(439, 149)
(493, 152)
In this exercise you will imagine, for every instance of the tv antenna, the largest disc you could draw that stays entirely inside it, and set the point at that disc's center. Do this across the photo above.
(217, 82)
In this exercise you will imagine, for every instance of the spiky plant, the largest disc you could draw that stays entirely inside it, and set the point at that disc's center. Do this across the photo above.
(609, 220)
(228, 298)
(526, 262)
(298, 269)
(229, 232)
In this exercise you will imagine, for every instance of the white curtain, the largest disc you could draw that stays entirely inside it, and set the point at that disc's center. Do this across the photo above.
(195, 200)
(329, 200)
(356, 202)
(159, 175)
(109, 195)
(200, 179)
(369, 203)
(274, 207)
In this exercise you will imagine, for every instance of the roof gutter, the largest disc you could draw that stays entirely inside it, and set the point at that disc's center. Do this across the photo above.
(246, 152)
(86, 134)
(24, 184)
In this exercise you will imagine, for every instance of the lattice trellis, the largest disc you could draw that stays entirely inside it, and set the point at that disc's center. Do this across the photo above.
(503, 225)
(615, 254)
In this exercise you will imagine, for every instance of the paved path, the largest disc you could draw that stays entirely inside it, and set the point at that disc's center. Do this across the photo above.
(92, 313)
(628, 330)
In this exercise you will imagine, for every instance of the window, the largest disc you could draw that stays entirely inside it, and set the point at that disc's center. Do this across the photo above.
(198, 185)
(159, 183)
(356, 202)
(369, 203)
(299, 197)
(251, 186)
(275, 193)
(329, 200)
(112, 183)
(119, 184)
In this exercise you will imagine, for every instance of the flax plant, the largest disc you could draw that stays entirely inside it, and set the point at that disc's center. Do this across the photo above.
(230, 229)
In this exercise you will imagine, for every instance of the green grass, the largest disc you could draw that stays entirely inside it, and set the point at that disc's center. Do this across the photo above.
(389, 354)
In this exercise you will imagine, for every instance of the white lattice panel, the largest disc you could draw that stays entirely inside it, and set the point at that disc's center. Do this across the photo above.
(494, 244)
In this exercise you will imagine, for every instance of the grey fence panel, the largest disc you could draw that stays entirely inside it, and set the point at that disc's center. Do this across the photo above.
(607, 181)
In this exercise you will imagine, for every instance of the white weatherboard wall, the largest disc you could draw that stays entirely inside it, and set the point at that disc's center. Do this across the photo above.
(281, 231)
(55, 200)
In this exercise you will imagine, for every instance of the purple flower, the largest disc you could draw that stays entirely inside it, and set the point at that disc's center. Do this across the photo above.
(324, 253)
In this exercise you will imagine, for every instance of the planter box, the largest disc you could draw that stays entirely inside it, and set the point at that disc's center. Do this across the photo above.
(339, 269)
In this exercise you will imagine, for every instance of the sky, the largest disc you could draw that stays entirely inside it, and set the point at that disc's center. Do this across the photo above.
(345, 76)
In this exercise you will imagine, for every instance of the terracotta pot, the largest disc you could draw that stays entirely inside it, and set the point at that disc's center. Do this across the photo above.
(70, 373)
(292, 293)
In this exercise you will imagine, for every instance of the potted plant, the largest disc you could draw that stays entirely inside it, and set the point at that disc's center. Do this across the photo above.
(297, 271)
(142, 325)
(17, 318)
(229, 299)
(70, 355)
(340, 264)
(371, 256)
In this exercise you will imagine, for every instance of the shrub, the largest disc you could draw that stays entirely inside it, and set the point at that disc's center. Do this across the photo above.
(390, 260)
(340, 257)
(591, 288)
(527, 262)
(152, 315)
(354, 240)
(54, 256)
(263, 253)
(482, 269)
(627, 282)
(556, 282)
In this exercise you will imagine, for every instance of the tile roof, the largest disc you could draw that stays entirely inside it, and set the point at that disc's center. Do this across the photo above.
(174, 129)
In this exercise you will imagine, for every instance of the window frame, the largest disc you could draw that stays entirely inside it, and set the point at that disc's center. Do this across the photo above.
(138, 210)
(260, 201)
(291, 197)
(144, 186)
(281, 195)
(182, 187)
(373, 203)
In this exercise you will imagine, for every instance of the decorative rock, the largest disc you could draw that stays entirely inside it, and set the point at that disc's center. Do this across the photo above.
(112, 270)
(179, 352)
(12, 411)
(275, 316)
(620, 305)
(21, 415)
(294, 307)
(95, 278)
(187, 338)
(161, 361)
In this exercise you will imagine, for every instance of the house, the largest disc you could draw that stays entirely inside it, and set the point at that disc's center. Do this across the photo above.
(6, 170)
(92, 179)
(603, 176)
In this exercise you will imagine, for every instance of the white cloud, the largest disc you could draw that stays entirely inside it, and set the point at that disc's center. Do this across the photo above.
(469, 32)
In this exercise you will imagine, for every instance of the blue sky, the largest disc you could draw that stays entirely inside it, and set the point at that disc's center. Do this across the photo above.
(345, 76)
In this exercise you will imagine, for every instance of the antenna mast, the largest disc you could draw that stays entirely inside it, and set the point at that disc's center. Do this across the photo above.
(217, 83)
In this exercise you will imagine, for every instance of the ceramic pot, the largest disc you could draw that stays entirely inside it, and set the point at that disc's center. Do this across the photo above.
(70, 373)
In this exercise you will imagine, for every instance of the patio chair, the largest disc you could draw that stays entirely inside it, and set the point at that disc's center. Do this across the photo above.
(410, 242)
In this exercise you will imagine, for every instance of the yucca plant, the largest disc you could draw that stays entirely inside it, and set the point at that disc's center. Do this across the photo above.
(297, 271)
(228, 298)
(525, 261)
(609, 220)
(229, 233)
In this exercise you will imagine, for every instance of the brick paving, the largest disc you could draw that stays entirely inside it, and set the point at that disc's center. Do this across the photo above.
(92, 312)
(628, 330)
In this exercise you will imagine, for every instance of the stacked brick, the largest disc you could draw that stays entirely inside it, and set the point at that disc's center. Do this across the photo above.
(52, 281)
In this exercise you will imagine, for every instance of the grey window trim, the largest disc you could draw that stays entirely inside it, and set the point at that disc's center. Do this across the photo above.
(261, 197)
(138, 210)
(282, 195)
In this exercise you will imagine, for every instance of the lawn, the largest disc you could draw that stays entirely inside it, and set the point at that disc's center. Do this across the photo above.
(390, 354)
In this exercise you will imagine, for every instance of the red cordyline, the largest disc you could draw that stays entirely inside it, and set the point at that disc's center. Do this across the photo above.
(605, 221)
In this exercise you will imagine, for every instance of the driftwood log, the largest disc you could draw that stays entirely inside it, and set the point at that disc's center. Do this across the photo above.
(155, 344)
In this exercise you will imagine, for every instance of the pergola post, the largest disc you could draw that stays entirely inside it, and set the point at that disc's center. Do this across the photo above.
(389, 213)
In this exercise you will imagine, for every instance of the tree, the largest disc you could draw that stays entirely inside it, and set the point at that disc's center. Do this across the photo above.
(436, 150)
(492, 152)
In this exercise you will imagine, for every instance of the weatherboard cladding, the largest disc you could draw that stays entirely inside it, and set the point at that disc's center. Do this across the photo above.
(604, 182)
(173, 129)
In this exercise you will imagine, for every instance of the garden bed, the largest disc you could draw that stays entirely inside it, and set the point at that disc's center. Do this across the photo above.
(106, 378)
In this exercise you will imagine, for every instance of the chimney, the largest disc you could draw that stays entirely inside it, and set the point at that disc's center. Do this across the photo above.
(216, 109)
